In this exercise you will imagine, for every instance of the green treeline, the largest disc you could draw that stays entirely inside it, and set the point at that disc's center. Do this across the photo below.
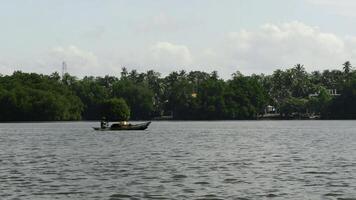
(26, 97)
(195, 95)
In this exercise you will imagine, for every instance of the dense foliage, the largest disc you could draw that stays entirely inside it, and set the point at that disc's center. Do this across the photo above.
(115, 109)
(37, 97)
(298, 94)
(195, 95)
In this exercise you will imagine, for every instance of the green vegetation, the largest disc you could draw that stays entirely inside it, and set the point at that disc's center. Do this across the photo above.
(195, 95)
(37, 97)
(115, 109)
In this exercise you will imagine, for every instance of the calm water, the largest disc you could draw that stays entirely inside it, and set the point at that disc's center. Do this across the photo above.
(180, 160)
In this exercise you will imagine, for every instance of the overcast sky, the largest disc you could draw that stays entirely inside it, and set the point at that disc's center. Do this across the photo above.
(96, 37)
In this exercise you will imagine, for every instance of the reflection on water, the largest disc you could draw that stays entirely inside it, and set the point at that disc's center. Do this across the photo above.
(180, 160)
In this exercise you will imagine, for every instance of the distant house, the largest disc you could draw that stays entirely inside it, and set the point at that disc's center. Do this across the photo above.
(332, 92)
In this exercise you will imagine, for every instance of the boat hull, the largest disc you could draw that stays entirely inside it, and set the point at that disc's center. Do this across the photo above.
(142, 126)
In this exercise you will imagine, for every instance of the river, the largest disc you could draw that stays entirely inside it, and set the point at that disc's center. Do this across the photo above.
(180, 160)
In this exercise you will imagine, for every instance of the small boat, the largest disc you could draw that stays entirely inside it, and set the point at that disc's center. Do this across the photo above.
(123, 127)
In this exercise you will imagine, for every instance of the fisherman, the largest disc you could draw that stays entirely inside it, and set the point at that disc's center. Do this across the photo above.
(103, 123)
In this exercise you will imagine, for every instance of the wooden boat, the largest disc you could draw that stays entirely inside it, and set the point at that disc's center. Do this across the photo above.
(123, 127)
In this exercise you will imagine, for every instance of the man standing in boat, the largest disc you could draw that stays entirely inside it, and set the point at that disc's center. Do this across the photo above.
(104, 123)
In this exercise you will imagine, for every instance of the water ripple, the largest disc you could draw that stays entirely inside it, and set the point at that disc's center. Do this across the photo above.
(180, 160)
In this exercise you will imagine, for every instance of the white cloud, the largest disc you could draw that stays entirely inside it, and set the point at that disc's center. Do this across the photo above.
(73, 53)
(79, 61)
(5, 67)
(170, 56)
(262, 50)
(10, 64)
(276, 46)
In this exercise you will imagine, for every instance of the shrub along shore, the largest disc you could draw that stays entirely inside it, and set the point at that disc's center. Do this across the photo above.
(196, 95)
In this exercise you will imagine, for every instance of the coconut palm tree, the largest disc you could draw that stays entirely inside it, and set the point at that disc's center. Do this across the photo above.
(347, 67)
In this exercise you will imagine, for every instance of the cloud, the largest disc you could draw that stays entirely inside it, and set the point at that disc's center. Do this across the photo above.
(277, 46)
(262, 50)
(5, 67)
(169, 55)
(73, 53)
(10, 64)
(79, 61)
(162, 56)
(339, 7)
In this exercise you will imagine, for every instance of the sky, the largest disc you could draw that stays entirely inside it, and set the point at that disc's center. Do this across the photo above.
(96, 37)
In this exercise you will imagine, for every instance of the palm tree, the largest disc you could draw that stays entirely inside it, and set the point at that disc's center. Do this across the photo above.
(299, 67)
(347, 67)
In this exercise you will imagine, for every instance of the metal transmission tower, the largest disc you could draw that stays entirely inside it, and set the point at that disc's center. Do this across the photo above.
(64, 68)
